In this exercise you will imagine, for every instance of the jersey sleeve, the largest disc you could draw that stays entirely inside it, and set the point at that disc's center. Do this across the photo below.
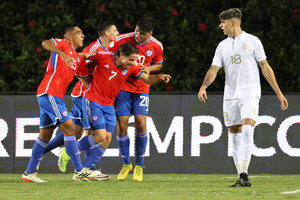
(217, 60)
(86, 49)
(82, 71)
(59, 43)
(94, 57)
(158, 58)
(259, 51)
(136, 71)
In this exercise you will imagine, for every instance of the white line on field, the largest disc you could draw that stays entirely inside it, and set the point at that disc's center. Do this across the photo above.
(290, 192)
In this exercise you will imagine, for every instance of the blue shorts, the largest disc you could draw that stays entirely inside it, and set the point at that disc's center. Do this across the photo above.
(128, 103)
(53, 111)
(97, 116)
(76, 112)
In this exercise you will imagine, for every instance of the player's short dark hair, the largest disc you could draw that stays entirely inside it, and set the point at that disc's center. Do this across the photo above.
(127, 49)
(231, 13)
(67, 28)
(146, 24)
(103, 26)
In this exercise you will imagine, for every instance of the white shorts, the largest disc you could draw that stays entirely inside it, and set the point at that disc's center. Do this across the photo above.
(236, 110)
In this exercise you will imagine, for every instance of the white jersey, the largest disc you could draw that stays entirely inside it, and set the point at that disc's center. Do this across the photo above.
(240, 57)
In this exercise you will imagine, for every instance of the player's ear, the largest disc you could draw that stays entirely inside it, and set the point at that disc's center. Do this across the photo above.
(67, 36)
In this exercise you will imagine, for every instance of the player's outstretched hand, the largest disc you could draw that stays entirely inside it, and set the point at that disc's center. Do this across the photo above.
(283, 102)
(165, 77)
(202, 95)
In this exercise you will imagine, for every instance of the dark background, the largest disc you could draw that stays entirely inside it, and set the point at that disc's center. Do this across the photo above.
(187, 29)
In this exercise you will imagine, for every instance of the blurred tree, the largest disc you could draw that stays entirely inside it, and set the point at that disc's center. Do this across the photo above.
(187, 29)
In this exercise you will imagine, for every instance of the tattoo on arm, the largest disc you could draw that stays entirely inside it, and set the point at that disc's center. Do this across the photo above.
(209, 77)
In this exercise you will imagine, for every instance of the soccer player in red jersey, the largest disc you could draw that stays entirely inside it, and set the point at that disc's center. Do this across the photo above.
(134, 97)
(98, 108)
(107, 32)
(64, 63)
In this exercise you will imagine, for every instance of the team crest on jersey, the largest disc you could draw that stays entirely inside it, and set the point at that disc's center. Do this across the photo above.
(149, 53)
(95, 117)
(124, 71)
(65, 113)
(78, 60)
(112, 44)
(71, 52)
(116, 109)
(244, 46)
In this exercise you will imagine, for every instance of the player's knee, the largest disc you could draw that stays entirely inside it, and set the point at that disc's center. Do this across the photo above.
(107, 141)
(141, 128)
(99, 137)
(235, 129)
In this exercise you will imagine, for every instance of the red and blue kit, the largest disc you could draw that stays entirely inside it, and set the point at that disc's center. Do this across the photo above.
(149, 53)
(58, 75)
(95, 46)
(108, 78)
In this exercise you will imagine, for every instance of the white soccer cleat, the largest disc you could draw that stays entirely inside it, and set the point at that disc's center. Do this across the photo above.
(102, 177)
(86, 173)
(33, 177)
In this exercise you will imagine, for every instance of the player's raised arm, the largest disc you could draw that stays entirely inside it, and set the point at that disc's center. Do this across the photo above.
(209, 78)
(49, 45)
(153, 79)
(268, 73)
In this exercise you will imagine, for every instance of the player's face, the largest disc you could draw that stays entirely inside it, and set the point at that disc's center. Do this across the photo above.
(113, 33)
(77, 37)
(141, 37)
(128, 61)
(225, 25)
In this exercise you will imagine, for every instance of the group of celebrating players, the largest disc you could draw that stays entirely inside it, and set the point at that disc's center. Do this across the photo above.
(114, 75)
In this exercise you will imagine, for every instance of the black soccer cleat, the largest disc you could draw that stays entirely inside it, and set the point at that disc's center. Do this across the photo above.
(243, 181)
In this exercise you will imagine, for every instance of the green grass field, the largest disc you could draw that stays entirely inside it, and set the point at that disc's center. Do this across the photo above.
(154, 186)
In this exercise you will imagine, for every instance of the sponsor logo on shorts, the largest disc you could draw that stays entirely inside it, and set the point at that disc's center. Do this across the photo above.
(149, 53)
(124, 71)
(116, 109)
(65, 113)
(95, 117)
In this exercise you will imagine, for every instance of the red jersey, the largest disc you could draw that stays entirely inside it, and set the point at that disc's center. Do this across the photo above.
(95, 46)
(108, 78)
(149, 53)
(58, 75)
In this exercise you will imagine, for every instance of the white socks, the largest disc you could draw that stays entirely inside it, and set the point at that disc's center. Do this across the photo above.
(247, 145)
(242, 144)
(235, 140)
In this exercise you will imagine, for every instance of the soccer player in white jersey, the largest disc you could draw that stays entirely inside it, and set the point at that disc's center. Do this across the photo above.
(240, 54)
